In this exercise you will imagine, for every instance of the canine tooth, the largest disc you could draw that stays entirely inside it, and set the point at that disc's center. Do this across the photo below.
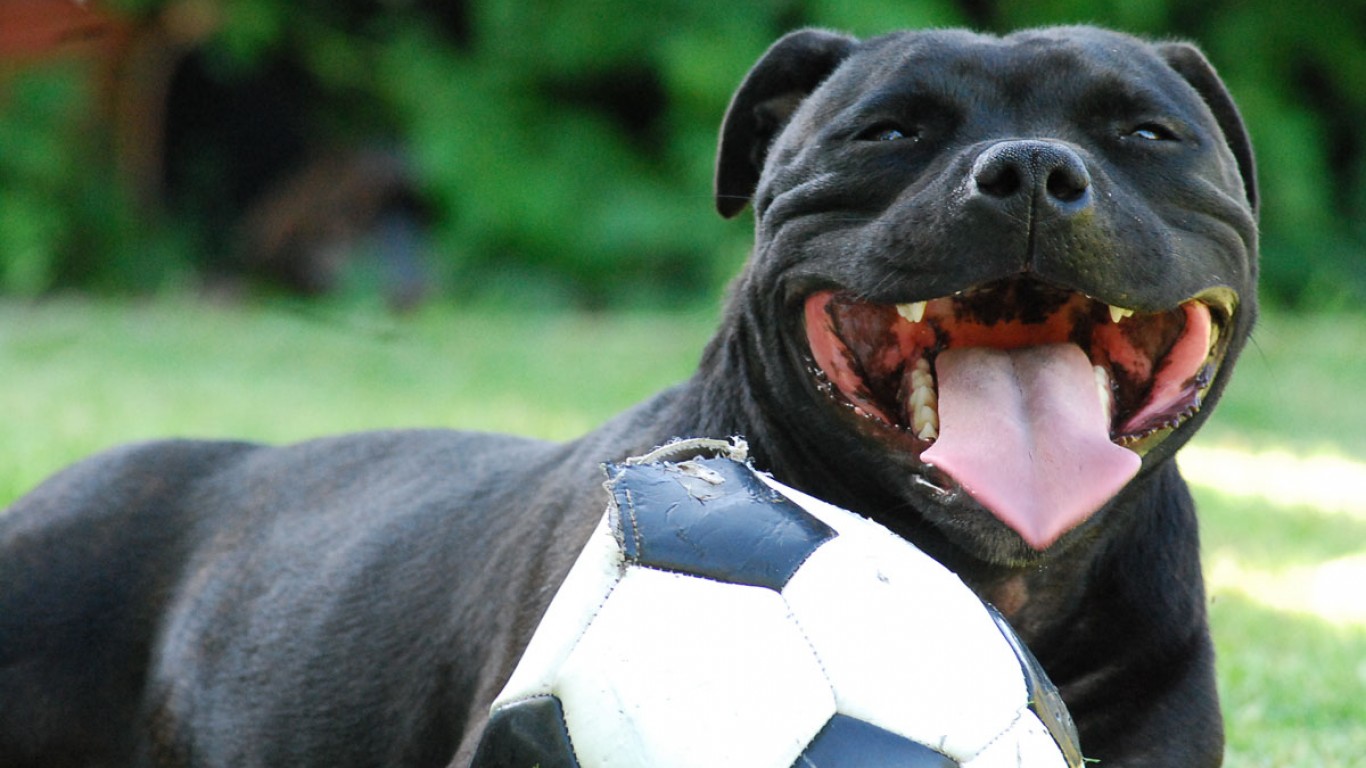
(1119, 313)
(915, 312)
(928, 432)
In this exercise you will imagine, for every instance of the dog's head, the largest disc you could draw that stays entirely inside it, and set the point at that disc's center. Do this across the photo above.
(994, 279)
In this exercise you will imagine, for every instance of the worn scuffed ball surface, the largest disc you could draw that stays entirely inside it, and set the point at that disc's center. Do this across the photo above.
(719, 618)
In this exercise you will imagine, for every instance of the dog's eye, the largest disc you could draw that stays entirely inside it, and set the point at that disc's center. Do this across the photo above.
(886, 132)
(1153, 132)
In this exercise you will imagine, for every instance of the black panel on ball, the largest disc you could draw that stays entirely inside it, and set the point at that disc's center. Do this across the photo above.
(712, 518)
(1044, 699)
(847, 742)
(526, 733)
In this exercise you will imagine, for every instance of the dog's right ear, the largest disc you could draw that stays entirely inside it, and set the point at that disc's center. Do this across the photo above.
(1191, 64)
(786, 74)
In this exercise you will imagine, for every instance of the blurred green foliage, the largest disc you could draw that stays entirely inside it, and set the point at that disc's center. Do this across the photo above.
(63, 220)
(566, 147)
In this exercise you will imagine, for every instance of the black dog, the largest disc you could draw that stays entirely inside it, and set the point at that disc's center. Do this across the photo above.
(1038, 218)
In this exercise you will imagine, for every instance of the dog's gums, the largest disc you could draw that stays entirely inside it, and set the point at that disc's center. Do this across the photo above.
(1152, 369)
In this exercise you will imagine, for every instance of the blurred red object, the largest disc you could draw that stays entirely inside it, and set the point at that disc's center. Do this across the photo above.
(37, 29)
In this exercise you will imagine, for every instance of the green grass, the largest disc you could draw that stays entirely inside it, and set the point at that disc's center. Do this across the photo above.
(1280, 529)
(83, 376)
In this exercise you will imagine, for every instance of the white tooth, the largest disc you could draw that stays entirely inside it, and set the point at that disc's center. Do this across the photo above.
(1103, 389)
(923, 402)
(924, 396)
(924, 417)
(914, 312)
(1119, 313)
(920, 374)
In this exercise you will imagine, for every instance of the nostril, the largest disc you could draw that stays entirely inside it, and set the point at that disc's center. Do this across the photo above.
(1067, 184)
(1000, 180)
(1048, 173)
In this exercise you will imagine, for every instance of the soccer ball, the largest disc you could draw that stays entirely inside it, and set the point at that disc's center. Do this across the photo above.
(718, 618)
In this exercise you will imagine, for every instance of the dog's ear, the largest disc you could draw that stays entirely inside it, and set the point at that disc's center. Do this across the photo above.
(786, 74)
(1191, 64)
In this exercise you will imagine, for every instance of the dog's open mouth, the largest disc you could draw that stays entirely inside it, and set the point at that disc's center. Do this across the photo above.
(1037, 401)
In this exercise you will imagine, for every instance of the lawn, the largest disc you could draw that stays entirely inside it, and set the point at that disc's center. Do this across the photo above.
(1280, 472)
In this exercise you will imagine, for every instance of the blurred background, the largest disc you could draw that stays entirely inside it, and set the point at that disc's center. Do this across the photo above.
(527, 152)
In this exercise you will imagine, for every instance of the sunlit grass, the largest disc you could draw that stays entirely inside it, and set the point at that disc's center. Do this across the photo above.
(1308, 514)
(1287, 583)
(1326, 482)
(83, 376)
(1279, 473)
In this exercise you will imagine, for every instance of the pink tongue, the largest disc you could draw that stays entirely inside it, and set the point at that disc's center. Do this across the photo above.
(1023, 432)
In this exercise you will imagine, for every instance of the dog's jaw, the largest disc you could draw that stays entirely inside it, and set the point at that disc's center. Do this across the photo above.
(1053, 396)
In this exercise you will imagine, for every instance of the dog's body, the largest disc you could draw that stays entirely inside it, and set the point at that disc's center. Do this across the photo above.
(360, 600)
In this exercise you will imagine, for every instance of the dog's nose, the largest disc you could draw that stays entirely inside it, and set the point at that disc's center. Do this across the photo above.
(1046, 172)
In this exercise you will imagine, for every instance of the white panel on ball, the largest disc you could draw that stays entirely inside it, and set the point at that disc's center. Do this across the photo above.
(583, 591)
(700, 674)
(1027, 743)
(905, 644)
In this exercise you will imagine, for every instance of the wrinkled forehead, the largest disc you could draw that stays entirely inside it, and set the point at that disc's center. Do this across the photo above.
(1036, 70)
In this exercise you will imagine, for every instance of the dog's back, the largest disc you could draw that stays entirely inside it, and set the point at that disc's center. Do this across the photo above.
(87, 564)
(139, 593)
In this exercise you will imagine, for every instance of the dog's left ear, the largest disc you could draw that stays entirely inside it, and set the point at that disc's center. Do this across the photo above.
(791, 69)
(1191, 64)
